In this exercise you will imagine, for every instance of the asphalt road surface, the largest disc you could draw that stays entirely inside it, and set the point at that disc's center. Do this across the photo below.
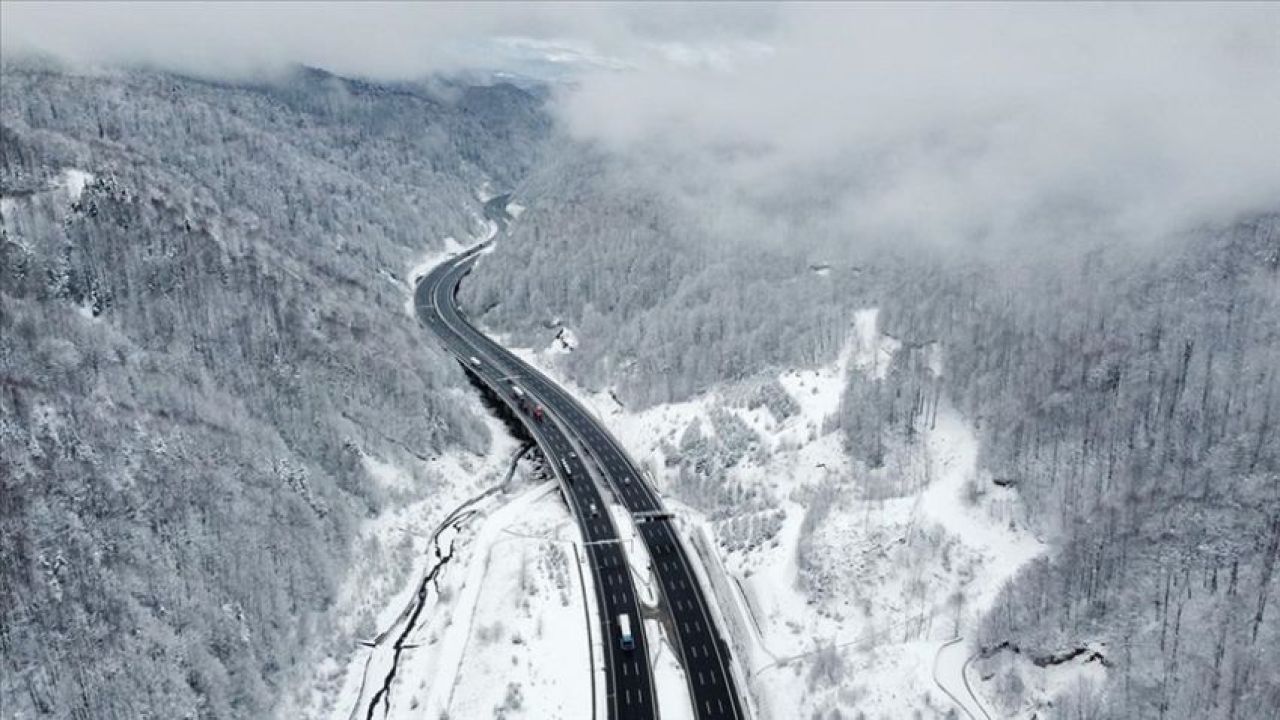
(570, 436)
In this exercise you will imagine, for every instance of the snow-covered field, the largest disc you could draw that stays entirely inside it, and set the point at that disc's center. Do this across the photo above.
(513, 642)
(852, 603)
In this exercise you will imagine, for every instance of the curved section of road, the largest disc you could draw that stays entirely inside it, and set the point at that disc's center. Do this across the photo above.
(629, 682)
(950, 674)
(567, 428)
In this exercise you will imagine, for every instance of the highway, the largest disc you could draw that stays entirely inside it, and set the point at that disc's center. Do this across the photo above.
(629, 681)
(570, 437)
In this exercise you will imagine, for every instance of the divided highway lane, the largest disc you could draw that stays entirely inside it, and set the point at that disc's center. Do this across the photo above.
(704, 653)
(629, 682)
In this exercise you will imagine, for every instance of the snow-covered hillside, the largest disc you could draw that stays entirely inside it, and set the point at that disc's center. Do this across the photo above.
(201, 302)
(849, 599)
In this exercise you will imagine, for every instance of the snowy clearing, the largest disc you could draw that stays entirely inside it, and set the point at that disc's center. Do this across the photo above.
(73, 181)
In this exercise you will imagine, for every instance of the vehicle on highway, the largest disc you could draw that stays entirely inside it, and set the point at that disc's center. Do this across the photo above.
(625, 639)
(572, 427)
(475, 361)
(522, 398)
(573, 454)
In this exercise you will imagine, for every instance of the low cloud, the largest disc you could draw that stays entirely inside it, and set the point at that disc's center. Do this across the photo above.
(978, 123)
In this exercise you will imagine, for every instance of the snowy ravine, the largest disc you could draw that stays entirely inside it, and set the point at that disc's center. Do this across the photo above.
(868, 604)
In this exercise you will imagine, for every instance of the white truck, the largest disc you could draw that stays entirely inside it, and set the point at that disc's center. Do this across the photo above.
(625, 639)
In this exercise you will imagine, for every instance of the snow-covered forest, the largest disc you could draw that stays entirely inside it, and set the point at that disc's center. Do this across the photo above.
(950, 337)
(669, 308)
(201, 306)
(1128, 392)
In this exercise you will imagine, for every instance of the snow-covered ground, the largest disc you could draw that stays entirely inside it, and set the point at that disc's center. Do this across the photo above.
(73, 181)
(70, 181)
(850, 606)
(1078, 680)
(514, 643)
(394, 551)
(669, 681)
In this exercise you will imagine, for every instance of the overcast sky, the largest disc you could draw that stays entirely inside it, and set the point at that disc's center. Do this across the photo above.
(928, 120)
(381, 40)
